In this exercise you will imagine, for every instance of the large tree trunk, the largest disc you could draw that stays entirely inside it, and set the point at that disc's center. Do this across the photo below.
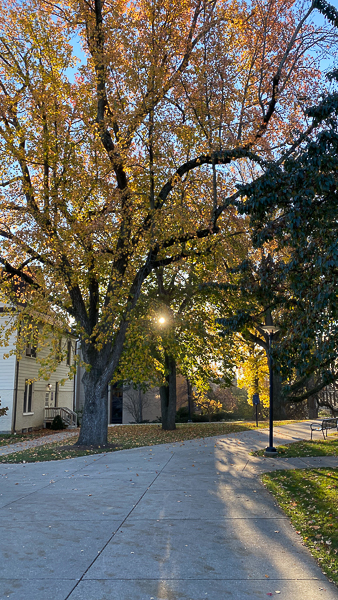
(168, 395)
(279, 402)
(312, 403)
(94, 425)
(312, 407)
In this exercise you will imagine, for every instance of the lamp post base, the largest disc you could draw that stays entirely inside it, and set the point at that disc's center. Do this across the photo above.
(271, 452)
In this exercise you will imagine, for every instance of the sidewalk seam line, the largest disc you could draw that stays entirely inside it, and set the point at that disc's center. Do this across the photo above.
(119, 527)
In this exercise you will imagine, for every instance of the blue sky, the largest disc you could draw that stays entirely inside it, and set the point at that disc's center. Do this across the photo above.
(317, 18)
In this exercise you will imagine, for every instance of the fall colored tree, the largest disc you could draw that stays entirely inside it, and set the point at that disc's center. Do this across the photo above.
(253, 373)
(175, 330)
(208, 406)
(132, 164)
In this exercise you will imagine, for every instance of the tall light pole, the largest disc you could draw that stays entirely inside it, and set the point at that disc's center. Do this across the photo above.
(270, 450)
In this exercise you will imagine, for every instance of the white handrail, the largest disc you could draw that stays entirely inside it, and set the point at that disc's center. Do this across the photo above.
(66, 414)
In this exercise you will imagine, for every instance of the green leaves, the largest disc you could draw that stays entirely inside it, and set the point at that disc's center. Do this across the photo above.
(293, 214)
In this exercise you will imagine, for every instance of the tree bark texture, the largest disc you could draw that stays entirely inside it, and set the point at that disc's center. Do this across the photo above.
(312, 404)
(168, 396)
(94, 425)
(312, 407)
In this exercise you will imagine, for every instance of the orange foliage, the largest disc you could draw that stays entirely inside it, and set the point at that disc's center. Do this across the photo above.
(127, 166)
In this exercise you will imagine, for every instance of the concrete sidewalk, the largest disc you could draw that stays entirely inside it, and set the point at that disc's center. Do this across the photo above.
(174, 522)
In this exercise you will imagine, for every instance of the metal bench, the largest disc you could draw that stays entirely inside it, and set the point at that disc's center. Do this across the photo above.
(324, 426)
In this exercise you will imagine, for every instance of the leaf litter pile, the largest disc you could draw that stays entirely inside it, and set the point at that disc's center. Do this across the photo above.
(310, 499)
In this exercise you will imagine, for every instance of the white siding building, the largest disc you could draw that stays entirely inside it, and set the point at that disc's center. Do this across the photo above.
(30, 402)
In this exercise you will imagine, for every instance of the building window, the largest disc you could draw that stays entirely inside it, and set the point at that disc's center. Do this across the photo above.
(49, 396)
(57, 393)
(31, 350)
(28, 396)
(69, 353)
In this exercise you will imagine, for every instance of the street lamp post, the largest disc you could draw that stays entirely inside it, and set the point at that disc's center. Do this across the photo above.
(270, 450)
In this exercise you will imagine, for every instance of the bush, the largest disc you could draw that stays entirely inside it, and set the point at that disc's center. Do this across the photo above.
(222, 415)
(182, 416)
(196, 418)
(58, 423)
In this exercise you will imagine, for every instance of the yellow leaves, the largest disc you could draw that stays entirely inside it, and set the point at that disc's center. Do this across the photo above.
(206, 404)
(90, 159)
(253, 372)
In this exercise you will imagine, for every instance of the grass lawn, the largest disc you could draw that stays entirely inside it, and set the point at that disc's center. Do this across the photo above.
(329, 447)
(131, 436)
(310, 499)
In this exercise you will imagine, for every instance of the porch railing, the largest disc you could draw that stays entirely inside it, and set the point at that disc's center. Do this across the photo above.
(68, 416)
